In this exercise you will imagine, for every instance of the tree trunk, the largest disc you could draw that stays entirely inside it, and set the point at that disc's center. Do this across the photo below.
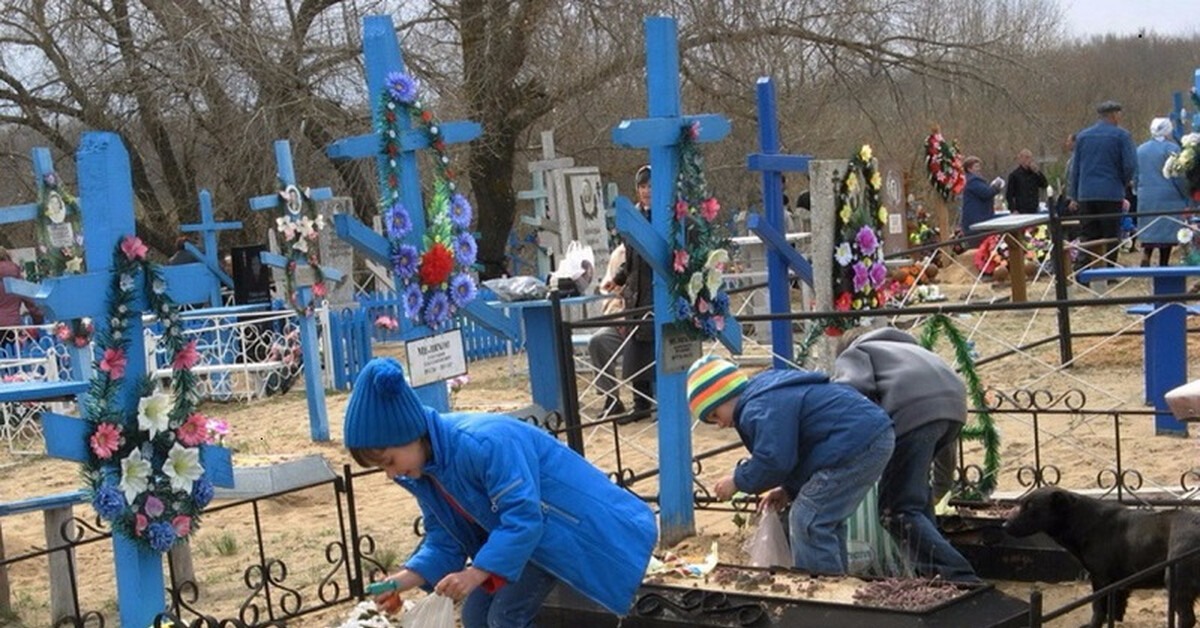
(491, 168)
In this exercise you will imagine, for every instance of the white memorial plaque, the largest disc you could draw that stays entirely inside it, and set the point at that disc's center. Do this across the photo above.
(436, 358)
(61, 235)
(679, 351)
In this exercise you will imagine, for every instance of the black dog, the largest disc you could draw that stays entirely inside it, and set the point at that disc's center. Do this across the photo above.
(1114, 542)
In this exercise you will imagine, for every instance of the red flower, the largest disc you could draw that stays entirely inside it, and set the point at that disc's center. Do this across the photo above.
(114, 363)
(843, 302)
(186, 357)
(436, 265)
(390, 116)
(194, 430)
(133, 248)
(392, 149)
(439, 145)
(319, 289)
(426, 117)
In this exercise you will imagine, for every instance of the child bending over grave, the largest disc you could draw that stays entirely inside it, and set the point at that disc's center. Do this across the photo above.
(818, 444)
(528, 512)
(928, 405)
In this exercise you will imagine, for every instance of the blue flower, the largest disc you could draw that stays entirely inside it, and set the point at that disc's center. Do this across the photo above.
(710, 327)
(683, 309)
(202, 493)
(406, 260)
(721, 303)
(412, 301)
(108, 502)
(161, 536)
(460, 211)
(401, 87)
(437, 311)
(465, 249)
(399, 223)
(462, 289)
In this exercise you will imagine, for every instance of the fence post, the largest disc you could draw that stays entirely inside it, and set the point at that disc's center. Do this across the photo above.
(62, 559)
(568, 388)
(1035, 609)
(1061, 270)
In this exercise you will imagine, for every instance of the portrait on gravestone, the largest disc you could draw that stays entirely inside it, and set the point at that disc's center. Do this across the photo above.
(295, 203)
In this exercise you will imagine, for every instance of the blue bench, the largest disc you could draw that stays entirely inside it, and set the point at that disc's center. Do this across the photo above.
(57, 512)
(1144, 309)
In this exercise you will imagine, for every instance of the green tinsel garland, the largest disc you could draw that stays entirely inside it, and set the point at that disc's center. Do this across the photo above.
(984, 429)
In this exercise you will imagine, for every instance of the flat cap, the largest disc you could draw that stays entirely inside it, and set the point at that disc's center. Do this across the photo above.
(1108, 106)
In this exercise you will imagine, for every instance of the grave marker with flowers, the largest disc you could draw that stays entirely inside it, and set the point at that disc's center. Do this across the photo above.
(428, 246)
(147, 460)
(944, 167)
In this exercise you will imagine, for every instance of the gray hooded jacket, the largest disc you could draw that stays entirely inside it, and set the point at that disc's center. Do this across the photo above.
(913, 385)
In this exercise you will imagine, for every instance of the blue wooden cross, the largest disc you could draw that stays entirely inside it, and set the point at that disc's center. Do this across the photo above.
(770, 226)
(1176, 116)
(43, 165)
(314, 388)
(106, 201)
(210, 256)
(382, 56)
(660, 133)
(1196, 114)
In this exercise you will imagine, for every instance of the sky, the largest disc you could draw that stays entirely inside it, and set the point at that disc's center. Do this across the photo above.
(1085, 18)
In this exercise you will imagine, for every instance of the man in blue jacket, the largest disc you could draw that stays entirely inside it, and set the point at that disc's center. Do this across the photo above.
(815, 443)
(1104, 163)
(527, 511)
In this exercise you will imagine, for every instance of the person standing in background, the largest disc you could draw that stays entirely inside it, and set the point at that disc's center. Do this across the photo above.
(1025, 182)
(1158, 193)
(1104, 163)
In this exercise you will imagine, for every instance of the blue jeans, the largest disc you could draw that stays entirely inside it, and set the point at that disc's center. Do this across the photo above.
(817, 519)
(514, 605)
(906, 503)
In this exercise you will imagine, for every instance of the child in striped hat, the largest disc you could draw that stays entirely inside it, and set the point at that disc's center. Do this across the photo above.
(815, 443)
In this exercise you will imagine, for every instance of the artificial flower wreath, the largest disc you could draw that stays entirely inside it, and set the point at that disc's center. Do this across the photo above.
(1185, 164)
(859, 271)
(143, 469)
(944, 165)
(700, 251)
(437, 278)
(301, 230)
(59, 231)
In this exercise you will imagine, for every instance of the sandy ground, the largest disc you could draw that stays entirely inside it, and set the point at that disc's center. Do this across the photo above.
(300, 529)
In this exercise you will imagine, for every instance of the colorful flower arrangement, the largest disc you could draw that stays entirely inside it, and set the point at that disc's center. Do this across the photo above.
(301, 231)
(993, 251)
(143, 470)
(921, 231)
(1184, 164)
(1189, 242)
(944, 165)
(436, 278)
(59, 231)
(77, 332)
(859, 272)
(701, 250)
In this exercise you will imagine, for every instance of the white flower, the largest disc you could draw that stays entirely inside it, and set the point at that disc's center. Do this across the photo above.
(75, 265)
(159, 286)
(135, 474)
(320, 222)
(183, 467)
(694, 286)
(126, 282)
(843, 254)
(713, 280)
(306, 226)
(154, 413)
(1191, 139)
(301, 245)
(717, 258)
(56, 210)
(1184, 235)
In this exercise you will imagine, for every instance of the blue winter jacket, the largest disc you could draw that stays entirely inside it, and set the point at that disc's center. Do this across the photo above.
(1158, 193)
(1103, 162)
(797, 422)
(977, 202)
(536, 500)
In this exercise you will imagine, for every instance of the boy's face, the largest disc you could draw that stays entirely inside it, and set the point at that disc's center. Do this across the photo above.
(722, 415)
(405, 460)
(643, 193)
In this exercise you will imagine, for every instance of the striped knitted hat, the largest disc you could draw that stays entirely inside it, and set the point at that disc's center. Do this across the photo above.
(712, 381)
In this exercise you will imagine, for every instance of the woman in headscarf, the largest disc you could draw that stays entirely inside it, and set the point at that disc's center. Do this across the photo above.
(1158, 193)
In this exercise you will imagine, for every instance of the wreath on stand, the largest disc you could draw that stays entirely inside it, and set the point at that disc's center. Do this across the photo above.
(301, 230)
(700, 252)
(437, 277)
(143, 469)
(944, 165)
(59, 231)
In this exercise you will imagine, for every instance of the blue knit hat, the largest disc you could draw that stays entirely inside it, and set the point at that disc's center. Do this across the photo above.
(384, 411)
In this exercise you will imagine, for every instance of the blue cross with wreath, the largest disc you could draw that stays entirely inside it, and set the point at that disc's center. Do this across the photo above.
(671, 137)
(430, 252)
(147, 464)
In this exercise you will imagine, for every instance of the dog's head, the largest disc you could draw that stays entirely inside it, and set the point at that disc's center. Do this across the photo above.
(1044, 510)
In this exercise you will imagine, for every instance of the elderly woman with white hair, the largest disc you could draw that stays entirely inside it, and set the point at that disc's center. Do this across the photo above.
(1157, 193)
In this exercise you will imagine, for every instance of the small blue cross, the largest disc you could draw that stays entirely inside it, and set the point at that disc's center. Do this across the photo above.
(106, 201)
(209, 227)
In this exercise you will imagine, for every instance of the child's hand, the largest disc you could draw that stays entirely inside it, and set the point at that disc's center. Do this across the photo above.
(459, 584)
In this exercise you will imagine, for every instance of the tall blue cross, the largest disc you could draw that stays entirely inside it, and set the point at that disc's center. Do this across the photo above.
(1196, 113)
(660, 133)
(106, 201)
(210, 257)
(314, 388)
(382, 56)
(770, 226)
(1176, 116)
(43, 165)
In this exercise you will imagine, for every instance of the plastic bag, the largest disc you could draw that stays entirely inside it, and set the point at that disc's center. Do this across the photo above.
(578, 265)
(433, 611)
(768, 546)
(522, 288)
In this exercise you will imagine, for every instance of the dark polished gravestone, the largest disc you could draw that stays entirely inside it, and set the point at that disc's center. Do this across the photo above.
(663, 606)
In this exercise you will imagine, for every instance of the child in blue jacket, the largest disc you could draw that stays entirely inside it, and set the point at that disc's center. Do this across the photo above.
(527, 511)
(815, 443)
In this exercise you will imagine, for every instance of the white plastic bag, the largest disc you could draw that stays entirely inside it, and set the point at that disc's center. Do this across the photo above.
(768, 546)
(578, 265)
(432, 611)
